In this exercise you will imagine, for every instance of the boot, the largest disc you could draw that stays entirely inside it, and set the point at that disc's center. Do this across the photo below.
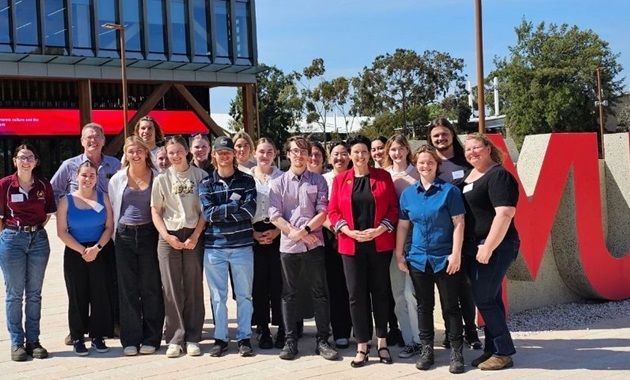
(457, 357)
(426, 359)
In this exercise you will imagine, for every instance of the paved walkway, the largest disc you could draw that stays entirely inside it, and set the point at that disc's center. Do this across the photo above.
(601, 351)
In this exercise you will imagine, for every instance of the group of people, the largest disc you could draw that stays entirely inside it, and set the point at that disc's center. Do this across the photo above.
(359, 247)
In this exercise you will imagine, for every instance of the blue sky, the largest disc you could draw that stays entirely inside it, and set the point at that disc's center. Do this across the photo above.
(349, 34)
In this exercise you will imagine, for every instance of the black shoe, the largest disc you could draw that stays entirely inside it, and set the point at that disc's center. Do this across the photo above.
(278, 339)
(485, 356)
(18, 353)
(245, 348)
(360, 363)
(79, 348)
(324, 350)
(289, 351)
(427, 358)
(99, 345)
(36, 350)
(457, 358)
(218, 348)
(472, 340)
(394, 337)
(299, 329)
(387, 359)
(264, 341)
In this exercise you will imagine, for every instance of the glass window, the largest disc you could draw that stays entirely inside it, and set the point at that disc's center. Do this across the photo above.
(242, 30)
(222, 28)
(131, 13)
(200, 28)
(108, 39)
(82, 24)
(155, 19)
(55, 22)
(5, 10)
(179, 27)
(26, 22)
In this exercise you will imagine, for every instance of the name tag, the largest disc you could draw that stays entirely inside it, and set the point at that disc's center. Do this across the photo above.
(467, 188)
(458, 174)
(17, 197)
(263, 189)
(311, 189)
(98, 207)
(235, 197)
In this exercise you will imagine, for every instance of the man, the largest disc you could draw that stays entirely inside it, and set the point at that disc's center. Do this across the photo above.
(148, 129)
(298, 202)
(65, 181)
(442, 136)
(228, 200)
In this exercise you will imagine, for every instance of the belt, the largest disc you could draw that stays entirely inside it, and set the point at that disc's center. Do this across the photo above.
(136, 226)
(25, 228)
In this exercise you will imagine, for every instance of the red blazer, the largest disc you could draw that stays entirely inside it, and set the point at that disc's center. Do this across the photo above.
(386, 208)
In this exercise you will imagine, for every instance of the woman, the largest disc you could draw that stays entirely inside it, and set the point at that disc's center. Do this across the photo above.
(364, 210)
(244, 146)
(316, 158)
(436, 210)
(162, 160)
(377, 151)
(26, 203)
(140, 288)
(340, 319)
(200, 150)
(267, 289)
(398, 162)
(176, 214)
(85, 225)
(491, 241)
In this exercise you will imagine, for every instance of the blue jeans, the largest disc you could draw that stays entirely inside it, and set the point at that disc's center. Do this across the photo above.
(241, 262)
(487, 282)
(23, 258)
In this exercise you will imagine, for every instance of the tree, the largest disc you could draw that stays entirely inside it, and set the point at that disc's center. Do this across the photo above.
(623, 117)
(549, 81)
(399, 82)
(279, 106)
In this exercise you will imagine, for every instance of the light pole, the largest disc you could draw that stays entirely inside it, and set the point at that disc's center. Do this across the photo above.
(601, 105)
(123, 70)
(480, 80)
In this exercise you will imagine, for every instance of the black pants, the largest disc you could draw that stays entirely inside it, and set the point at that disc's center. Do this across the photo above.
(291, 269)
(340, 319)
(267, 288)
(367, 273)
(140, 286)
(88, 286)
(448, 287)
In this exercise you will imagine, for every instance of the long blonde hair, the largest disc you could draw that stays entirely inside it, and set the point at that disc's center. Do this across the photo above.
(401, 140)
(136, 140)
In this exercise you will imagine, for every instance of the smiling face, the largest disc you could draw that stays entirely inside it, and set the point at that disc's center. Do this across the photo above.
(92, 141)
(200, 149)
(316, 160)
(243, 150)
(377, 151)
(427, 166)
(398, 153)
(146, 131)
(441, 138)
(297, 155)
(224, 158)
(86, 178)
(177, 154)
(25, 160)
(265, 154)
(477, 153)
(136, 155)
(339, 158)
(162, 160)
(360, 156)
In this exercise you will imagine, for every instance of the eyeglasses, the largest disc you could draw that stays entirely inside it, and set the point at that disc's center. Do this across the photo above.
(198, 134)
(343, 154)
(26, 158)
(475, 148)
(299, 152)
(93, 137)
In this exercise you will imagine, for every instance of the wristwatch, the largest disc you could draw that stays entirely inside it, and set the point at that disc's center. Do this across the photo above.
(307, 229)
(99, 247)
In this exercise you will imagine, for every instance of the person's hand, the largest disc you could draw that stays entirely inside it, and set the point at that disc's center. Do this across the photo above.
(273, 234)
(371, 233)
(402, 263)
(191, 242)
(90, 254)
(259, 237)
(454, 263)
(310, 239)
(355, 235)
(295, 234)
(483, 254)
(174, 242)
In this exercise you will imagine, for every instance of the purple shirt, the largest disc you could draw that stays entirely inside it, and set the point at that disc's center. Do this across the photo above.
(298, 200)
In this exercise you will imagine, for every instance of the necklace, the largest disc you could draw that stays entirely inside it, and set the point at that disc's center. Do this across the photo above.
(262, 177)
(184, 185)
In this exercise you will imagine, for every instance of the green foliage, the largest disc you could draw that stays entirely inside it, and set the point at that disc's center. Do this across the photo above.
(388, 123)
(549, 81)
(623, 117)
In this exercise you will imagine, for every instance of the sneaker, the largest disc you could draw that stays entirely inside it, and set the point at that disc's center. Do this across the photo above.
(394, 337)
(146, 349)
(278, 339)
(245, 348)
(324, 350)
(36, 350)
(99, 345)
(130, 351)
(409, 351)
(472, 340)
(485, 356)
(218, 348)
(426, 359)
(193, 349)
(79, 348)
(18, 353)
(342, 343)
(289, 351)
(173, 351)
(496, 363)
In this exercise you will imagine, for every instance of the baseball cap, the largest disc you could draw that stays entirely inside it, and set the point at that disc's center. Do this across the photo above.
(223, 143)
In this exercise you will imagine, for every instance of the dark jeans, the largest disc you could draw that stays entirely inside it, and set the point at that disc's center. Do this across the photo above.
(139, 285)
(89, 289)
(367, 273)
(291, 269)
(466, 300)
(267, 290)
(448, 287)
(340, 319)
(487, 281)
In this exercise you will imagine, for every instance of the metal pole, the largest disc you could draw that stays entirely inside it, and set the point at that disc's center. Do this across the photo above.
(123, 71)
(480, 78)
(601, 111)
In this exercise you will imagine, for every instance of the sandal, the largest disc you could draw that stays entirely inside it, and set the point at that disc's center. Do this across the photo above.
(385, 359)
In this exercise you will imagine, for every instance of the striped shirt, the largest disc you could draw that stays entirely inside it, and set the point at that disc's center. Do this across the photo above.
(228, 205)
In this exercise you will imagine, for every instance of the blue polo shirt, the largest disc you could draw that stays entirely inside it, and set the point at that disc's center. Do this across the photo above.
(430, 212)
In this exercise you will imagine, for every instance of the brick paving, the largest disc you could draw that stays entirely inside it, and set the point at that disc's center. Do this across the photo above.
(601, 351)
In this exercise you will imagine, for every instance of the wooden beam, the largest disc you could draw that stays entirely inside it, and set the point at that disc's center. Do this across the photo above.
(198, 109)
(249, 110)
(84, 92)
(117, 143)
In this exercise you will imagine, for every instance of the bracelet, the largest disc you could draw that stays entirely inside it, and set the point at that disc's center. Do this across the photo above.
(99, 247)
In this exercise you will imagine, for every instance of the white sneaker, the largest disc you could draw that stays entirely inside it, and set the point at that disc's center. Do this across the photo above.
(173, 350)
(192, 349)
(130, 351)
(147, 350)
